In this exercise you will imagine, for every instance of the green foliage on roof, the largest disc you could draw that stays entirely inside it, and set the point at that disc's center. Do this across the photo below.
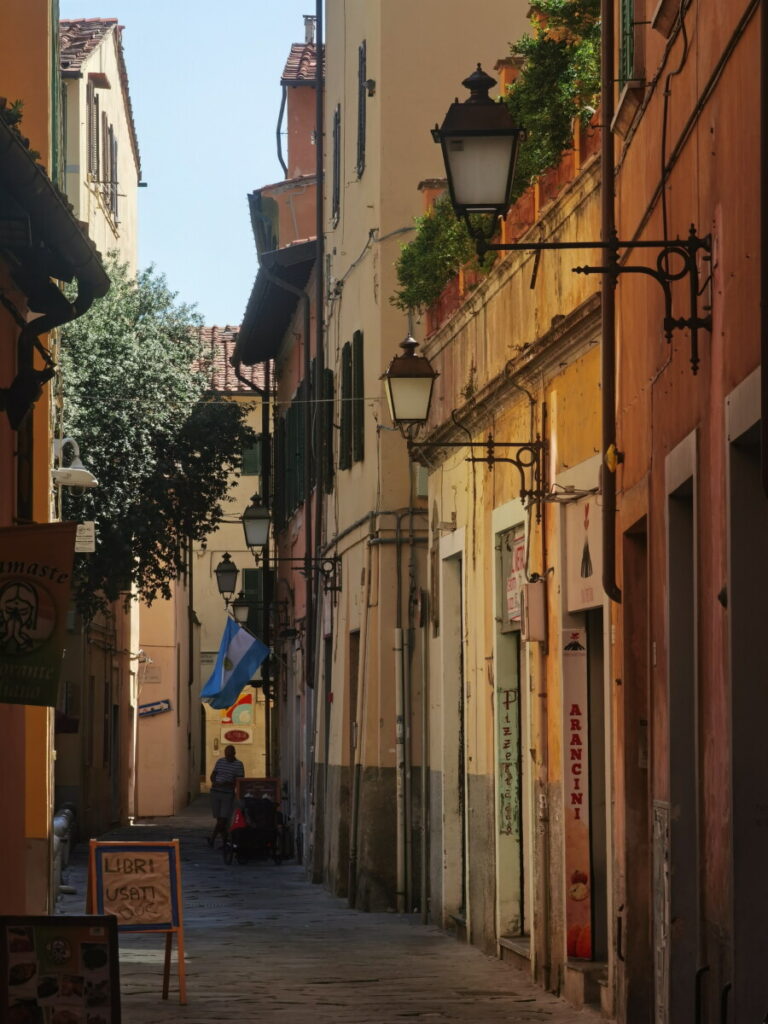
(559, 80)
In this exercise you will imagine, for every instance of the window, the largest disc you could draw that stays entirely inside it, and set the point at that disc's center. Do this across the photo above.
(253, 592)
(336, 179)
(92, 104)
(252, 458)
(352, 440)
(327, 428)
(289, 481)
(345, 439)
(626, 42)
(112, 184)
(358, 398)
(362, 95)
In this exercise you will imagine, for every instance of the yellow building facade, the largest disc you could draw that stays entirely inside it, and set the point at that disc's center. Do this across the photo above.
(519, 696)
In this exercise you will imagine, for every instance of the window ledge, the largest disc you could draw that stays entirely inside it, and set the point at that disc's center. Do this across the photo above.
(630, 101)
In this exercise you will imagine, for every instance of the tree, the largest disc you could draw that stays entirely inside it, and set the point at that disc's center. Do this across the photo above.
(163, 448)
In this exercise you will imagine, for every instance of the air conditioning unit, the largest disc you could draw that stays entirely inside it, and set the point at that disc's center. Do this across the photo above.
(533, 612)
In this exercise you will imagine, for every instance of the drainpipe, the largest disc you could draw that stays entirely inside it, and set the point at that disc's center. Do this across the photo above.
(400, 766)
(279, 129)
(319, 291)
(764, 241)
(608, 306)
(424, 760)
(362, 694)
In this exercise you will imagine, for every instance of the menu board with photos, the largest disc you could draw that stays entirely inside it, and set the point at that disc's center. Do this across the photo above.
(59, 970)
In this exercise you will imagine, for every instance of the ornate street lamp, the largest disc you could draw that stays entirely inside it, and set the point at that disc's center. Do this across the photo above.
(480, 144)
(226, 577)
(241, 609)
(256, 523)
(408, 384)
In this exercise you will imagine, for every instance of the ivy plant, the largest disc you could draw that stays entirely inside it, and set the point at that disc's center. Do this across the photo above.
(164, 449)
(559, 80)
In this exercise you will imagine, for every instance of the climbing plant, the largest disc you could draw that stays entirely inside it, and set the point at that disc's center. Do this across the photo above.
(559, 80)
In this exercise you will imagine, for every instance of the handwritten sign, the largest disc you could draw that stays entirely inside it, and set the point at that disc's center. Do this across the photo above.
(139, 884)
(62, 969)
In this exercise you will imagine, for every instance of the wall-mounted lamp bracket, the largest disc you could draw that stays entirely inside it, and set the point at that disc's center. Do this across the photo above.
(529, 457)
(329, 568)
(677, 259)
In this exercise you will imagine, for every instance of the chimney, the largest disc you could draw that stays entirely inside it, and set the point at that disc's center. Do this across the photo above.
(309, 28)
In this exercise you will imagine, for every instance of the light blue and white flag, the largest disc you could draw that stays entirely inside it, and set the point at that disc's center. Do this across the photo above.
(240, 654)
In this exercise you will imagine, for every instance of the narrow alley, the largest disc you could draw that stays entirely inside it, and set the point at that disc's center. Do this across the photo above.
(263, 943)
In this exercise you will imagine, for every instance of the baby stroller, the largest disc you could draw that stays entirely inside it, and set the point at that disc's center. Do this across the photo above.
(256, 831)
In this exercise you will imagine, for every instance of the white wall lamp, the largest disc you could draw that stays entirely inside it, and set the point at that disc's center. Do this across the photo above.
(75, 474)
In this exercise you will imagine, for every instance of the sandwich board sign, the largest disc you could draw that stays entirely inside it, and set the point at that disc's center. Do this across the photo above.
(139, 884)
(62, 969)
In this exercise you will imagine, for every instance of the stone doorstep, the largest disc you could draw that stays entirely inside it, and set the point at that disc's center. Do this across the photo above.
(583, 982)
(516, 951)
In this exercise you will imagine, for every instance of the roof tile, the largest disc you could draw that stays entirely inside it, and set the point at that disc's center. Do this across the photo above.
(301, 66)
(218, 346)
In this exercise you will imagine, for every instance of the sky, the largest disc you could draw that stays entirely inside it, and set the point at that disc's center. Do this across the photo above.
(204, 79)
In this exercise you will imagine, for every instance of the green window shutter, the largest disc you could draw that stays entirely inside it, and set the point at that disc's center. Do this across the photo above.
(327, 454)
(252, 458)
(253, 591)
(362, 96)
(290, 461)
(312, 408)
(336, 166)
(280, 498)
(358, 401)
(345, 440)
(301, 454)
(627, 42)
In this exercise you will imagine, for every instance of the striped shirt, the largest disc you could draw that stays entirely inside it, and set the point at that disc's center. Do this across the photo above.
(225, 772)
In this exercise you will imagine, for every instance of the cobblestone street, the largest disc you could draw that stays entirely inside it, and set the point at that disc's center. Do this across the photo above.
(262, 943)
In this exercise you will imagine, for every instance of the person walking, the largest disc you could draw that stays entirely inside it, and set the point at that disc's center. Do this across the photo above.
(226, 770)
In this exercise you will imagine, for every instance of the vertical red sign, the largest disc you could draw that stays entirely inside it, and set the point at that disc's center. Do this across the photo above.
(578, 903)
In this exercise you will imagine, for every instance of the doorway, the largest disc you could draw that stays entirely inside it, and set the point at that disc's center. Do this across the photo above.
(454, 749)
(511, 713)
(745, 600)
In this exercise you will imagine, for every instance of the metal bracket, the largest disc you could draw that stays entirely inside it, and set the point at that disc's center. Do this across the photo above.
(529, 456)
(684, 253)
(329, 568)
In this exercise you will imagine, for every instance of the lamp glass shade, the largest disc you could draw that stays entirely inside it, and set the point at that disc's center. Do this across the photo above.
(480, 141)
(226, 575)
(480, 170)
(408, 385)
(409, 398)
(256, 526)
(241, 609)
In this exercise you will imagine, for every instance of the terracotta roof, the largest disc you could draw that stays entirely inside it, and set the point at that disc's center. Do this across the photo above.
(301, 66)
(77, 40)
(218, 344)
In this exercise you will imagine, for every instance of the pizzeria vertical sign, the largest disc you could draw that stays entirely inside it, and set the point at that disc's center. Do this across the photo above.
(35, 583)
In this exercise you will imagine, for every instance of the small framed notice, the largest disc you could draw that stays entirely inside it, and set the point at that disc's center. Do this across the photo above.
(59, 970)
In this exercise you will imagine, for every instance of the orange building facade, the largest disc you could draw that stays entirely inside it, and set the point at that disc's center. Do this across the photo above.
(691, 537)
